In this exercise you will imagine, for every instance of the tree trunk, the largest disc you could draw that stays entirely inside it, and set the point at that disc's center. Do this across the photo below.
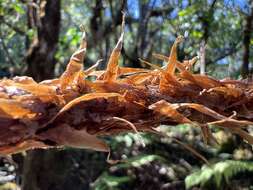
(246, 44)
(207, 19)
(40, 65)
(203, 58)
(45, 170)
(40, 56)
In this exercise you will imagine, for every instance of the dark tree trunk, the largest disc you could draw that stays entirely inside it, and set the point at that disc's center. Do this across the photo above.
(45, 170)
(39, 166)
(53, 169)
(40, 57)
(246, 44)
(58, 169)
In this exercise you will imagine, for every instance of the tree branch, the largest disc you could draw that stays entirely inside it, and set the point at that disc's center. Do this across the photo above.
(228, 52)
(160, 11)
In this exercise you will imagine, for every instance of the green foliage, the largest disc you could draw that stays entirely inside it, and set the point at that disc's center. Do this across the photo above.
(218, 174)
(130, 139)
(225, 32)
(139, 161)
(19, 8)
(108, 182)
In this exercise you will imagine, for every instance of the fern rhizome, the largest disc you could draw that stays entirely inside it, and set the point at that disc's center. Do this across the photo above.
(74, 111)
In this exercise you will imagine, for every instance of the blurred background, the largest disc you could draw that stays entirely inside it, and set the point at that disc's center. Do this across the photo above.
(37, 38)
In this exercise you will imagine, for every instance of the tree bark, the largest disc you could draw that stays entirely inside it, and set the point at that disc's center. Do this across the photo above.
(44, 15)
(202, 57)
(45, 170)
(57, 169)
(246, 44)
(40, 56)
(207, 19)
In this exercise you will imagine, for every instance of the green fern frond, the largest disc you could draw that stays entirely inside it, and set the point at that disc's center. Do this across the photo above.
(218, 173)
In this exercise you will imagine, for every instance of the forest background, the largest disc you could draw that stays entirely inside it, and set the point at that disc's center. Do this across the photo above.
(37, 38)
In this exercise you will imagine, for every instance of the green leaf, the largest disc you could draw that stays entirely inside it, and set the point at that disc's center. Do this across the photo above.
(251, 41)
(197, 34)
(18, 7)
(218, 174)
(187, 11)
(198, 177)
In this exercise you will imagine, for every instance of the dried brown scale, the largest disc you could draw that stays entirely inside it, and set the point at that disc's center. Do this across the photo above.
(73, 111)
